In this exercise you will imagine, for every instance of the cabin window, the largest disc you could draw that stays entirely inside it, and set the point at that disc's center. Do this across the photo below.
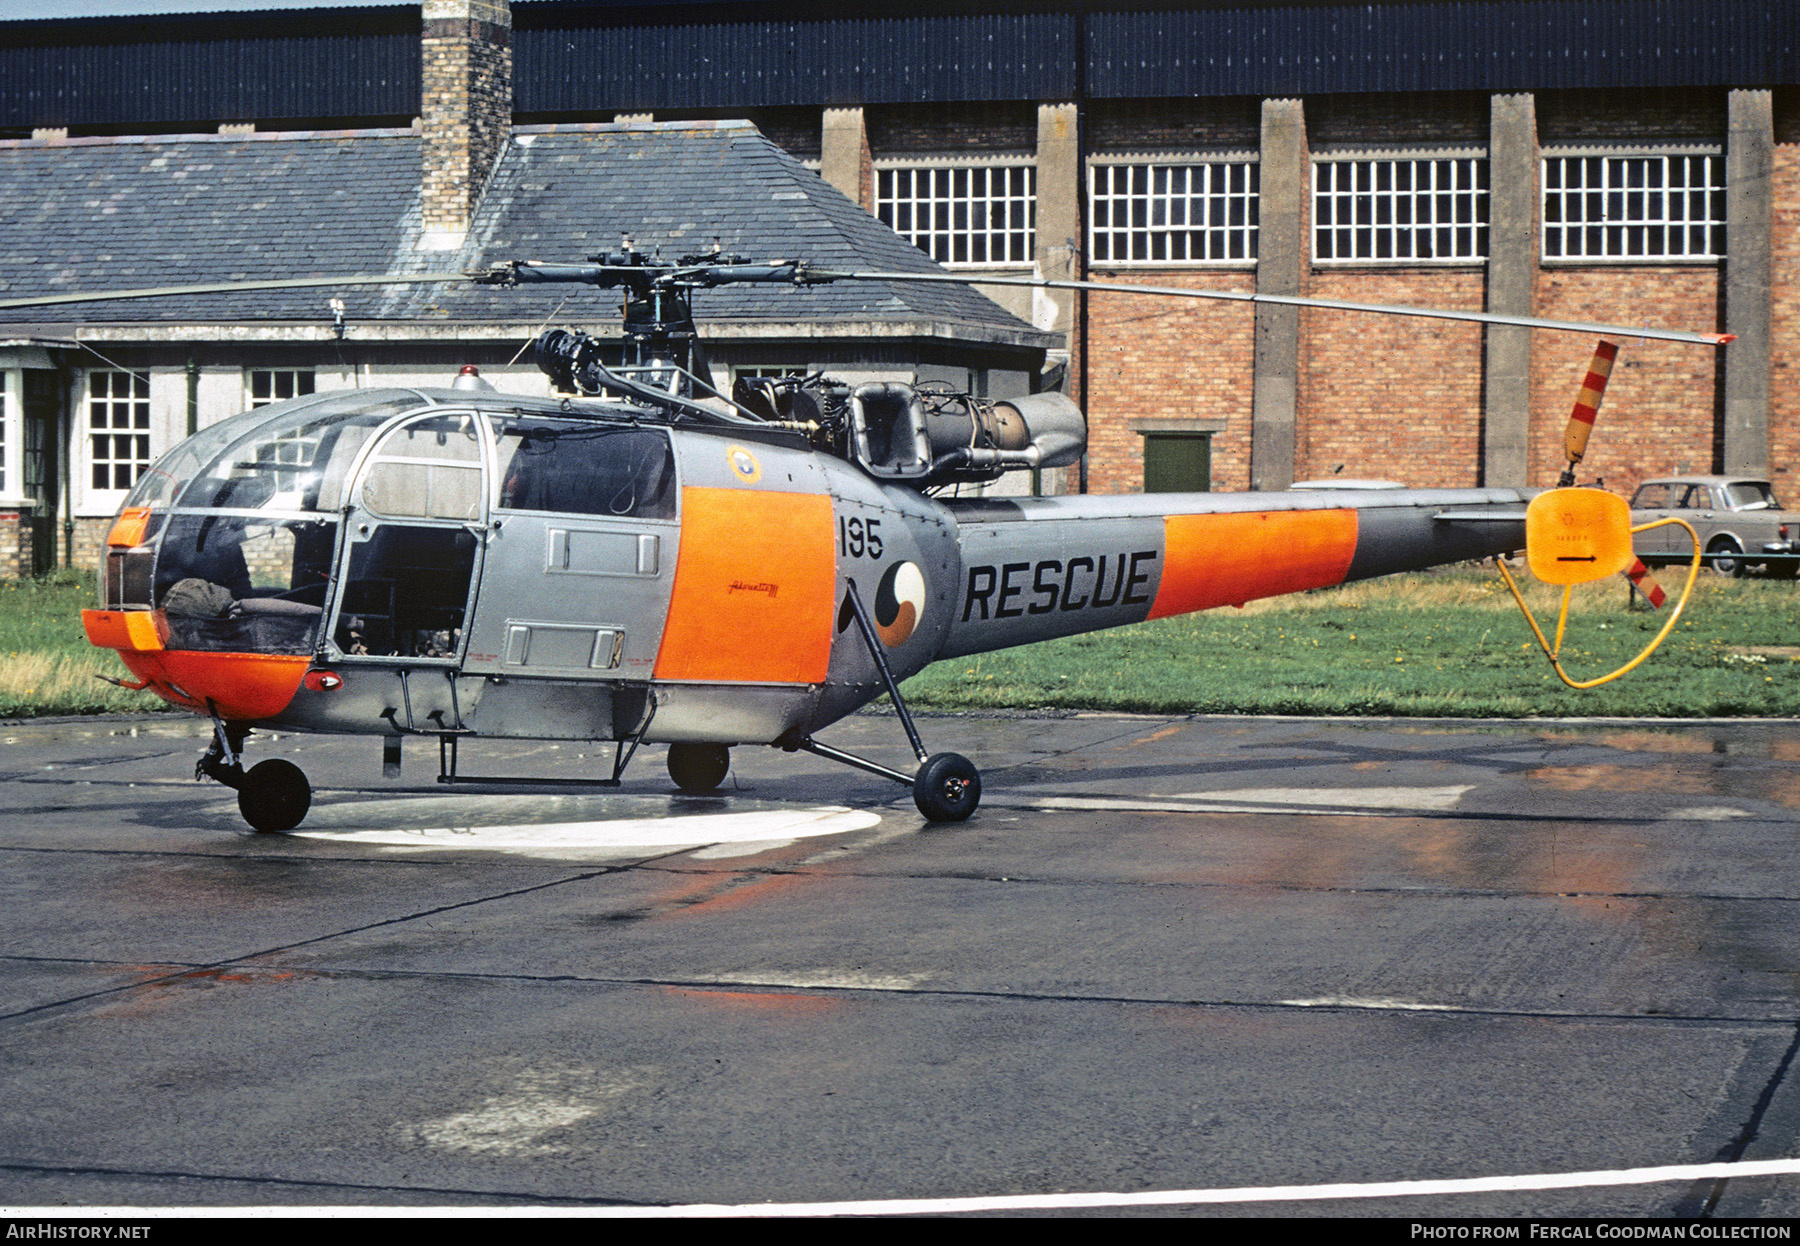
(962, 214)
(585, 470)
(1177, 462)
(1152, 213)
(1626, 208)
(429, 469)
(1400, 211)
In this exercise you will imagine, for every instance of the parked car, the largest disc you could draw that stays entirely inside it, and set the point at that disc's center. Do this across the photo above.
(1741, 524)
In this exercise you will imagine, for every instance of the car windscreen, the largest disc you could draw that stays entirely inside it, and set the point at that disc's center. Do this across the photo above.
(1751, 495)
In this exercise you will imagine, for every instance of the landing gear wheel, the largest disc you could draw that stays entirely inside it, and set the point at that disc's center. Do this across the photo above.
(947, 787)
(274, 795)
(698, 768)
(1726, 563)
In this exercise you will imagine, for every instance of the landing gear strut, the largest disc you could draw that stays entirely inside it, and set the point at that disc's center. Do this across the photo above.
(273, 796)
(947, 786)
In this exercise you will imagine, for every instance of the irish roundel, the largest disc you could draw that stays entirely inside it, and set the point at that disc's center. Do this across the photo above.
(899, 601)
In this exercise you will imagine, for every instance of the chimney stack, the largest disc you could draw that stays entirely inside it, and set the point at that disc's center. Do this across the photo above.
(465, 110)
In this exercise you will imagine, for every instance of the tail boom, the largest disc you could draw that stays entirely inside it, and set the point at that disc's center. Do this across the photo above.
(1038, 568)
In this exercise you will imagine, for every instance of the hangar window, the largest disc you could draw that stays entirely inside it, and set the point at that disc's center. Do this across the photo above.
(1400, 211)
(1634, 208)
(118, 428)
(1156, 213)
(962, 214)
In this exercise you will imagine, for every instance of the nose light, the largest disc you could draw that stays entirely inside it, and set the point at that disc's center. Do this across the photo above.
(321, 681)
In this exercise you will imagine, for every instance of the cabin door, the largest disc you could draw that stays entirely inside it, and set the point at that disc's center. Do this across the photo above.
(581, 552)
(413, 543)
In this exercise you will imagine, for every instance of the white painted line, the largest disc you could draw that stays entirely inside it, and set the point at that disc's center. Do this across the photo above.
(1005, 1202)
(1706, 813)
(814, 979)
(1377, 1002)
(615, 837)
(1434, 798)
(1123, 804)
(1328, 802)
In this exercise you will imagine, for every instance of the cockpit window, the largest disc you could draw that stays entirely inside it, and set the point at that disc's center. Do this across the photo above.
(243, 583)
(582, 469)
(299, 452)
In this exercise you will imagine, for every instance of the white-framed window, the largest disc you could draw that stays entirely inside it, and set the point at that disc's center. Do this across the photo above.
(1634, 208)
(754, 371)
(263, 386)
(118, 428)
(1149, 212)
(290, 454)
(6, 425)
(962, 214)
(1405, 210)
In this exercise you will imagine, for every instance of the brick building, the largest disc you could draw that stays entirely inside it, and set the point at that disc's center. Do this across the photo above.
(1630, 161)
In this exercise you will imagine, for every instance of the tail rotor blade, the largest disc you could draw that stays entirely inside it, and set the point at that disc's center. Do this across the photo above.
(1587, 403)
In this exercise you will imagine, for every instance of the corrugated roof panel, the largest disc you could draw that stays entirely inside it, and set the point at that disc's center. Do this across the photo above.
(171, 74)
(596, 59)
(769, 62)
(1445, 45)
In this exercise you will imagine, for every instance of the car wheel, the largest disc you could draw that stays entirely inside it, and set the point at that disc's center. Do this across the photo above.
(1725, 560)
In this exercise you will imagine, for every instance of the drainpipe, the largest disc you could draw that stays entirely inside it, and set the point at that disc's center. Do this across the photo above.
(1081, 220)
(64, 440)
(193, 375)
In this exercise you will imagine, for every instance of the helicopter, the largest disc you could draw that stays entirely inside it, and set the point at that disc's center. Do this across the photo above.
(649, 560)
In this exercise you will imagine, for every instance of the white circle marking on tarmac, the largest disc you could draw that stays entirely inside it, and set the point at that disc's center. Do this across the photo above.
(617, 837)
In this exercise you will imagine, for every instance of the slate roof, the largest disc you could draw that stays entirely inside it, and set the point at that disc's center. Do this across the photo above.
(84, 214)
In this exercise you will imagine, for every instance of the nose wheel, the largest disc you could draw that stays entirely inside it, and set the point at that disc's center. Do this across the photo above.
(274, 795)
(698, 768)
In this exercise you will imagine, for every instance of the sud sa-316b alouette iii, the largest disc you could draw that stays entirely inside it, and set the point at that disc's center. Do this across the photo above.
(657, 562)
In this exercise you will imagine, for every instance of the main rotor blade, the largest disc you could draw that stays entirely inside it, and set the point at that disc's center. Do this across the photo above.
(1289, 300)
(231, 287)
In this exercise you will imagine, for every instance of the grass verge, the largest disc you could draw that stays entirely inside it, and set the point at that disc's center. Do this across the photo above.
(47, 666)
(1446, 644)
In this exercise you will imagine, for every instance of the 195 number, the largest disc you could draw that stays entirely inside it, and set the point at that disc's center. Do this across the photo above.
(859, 538)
